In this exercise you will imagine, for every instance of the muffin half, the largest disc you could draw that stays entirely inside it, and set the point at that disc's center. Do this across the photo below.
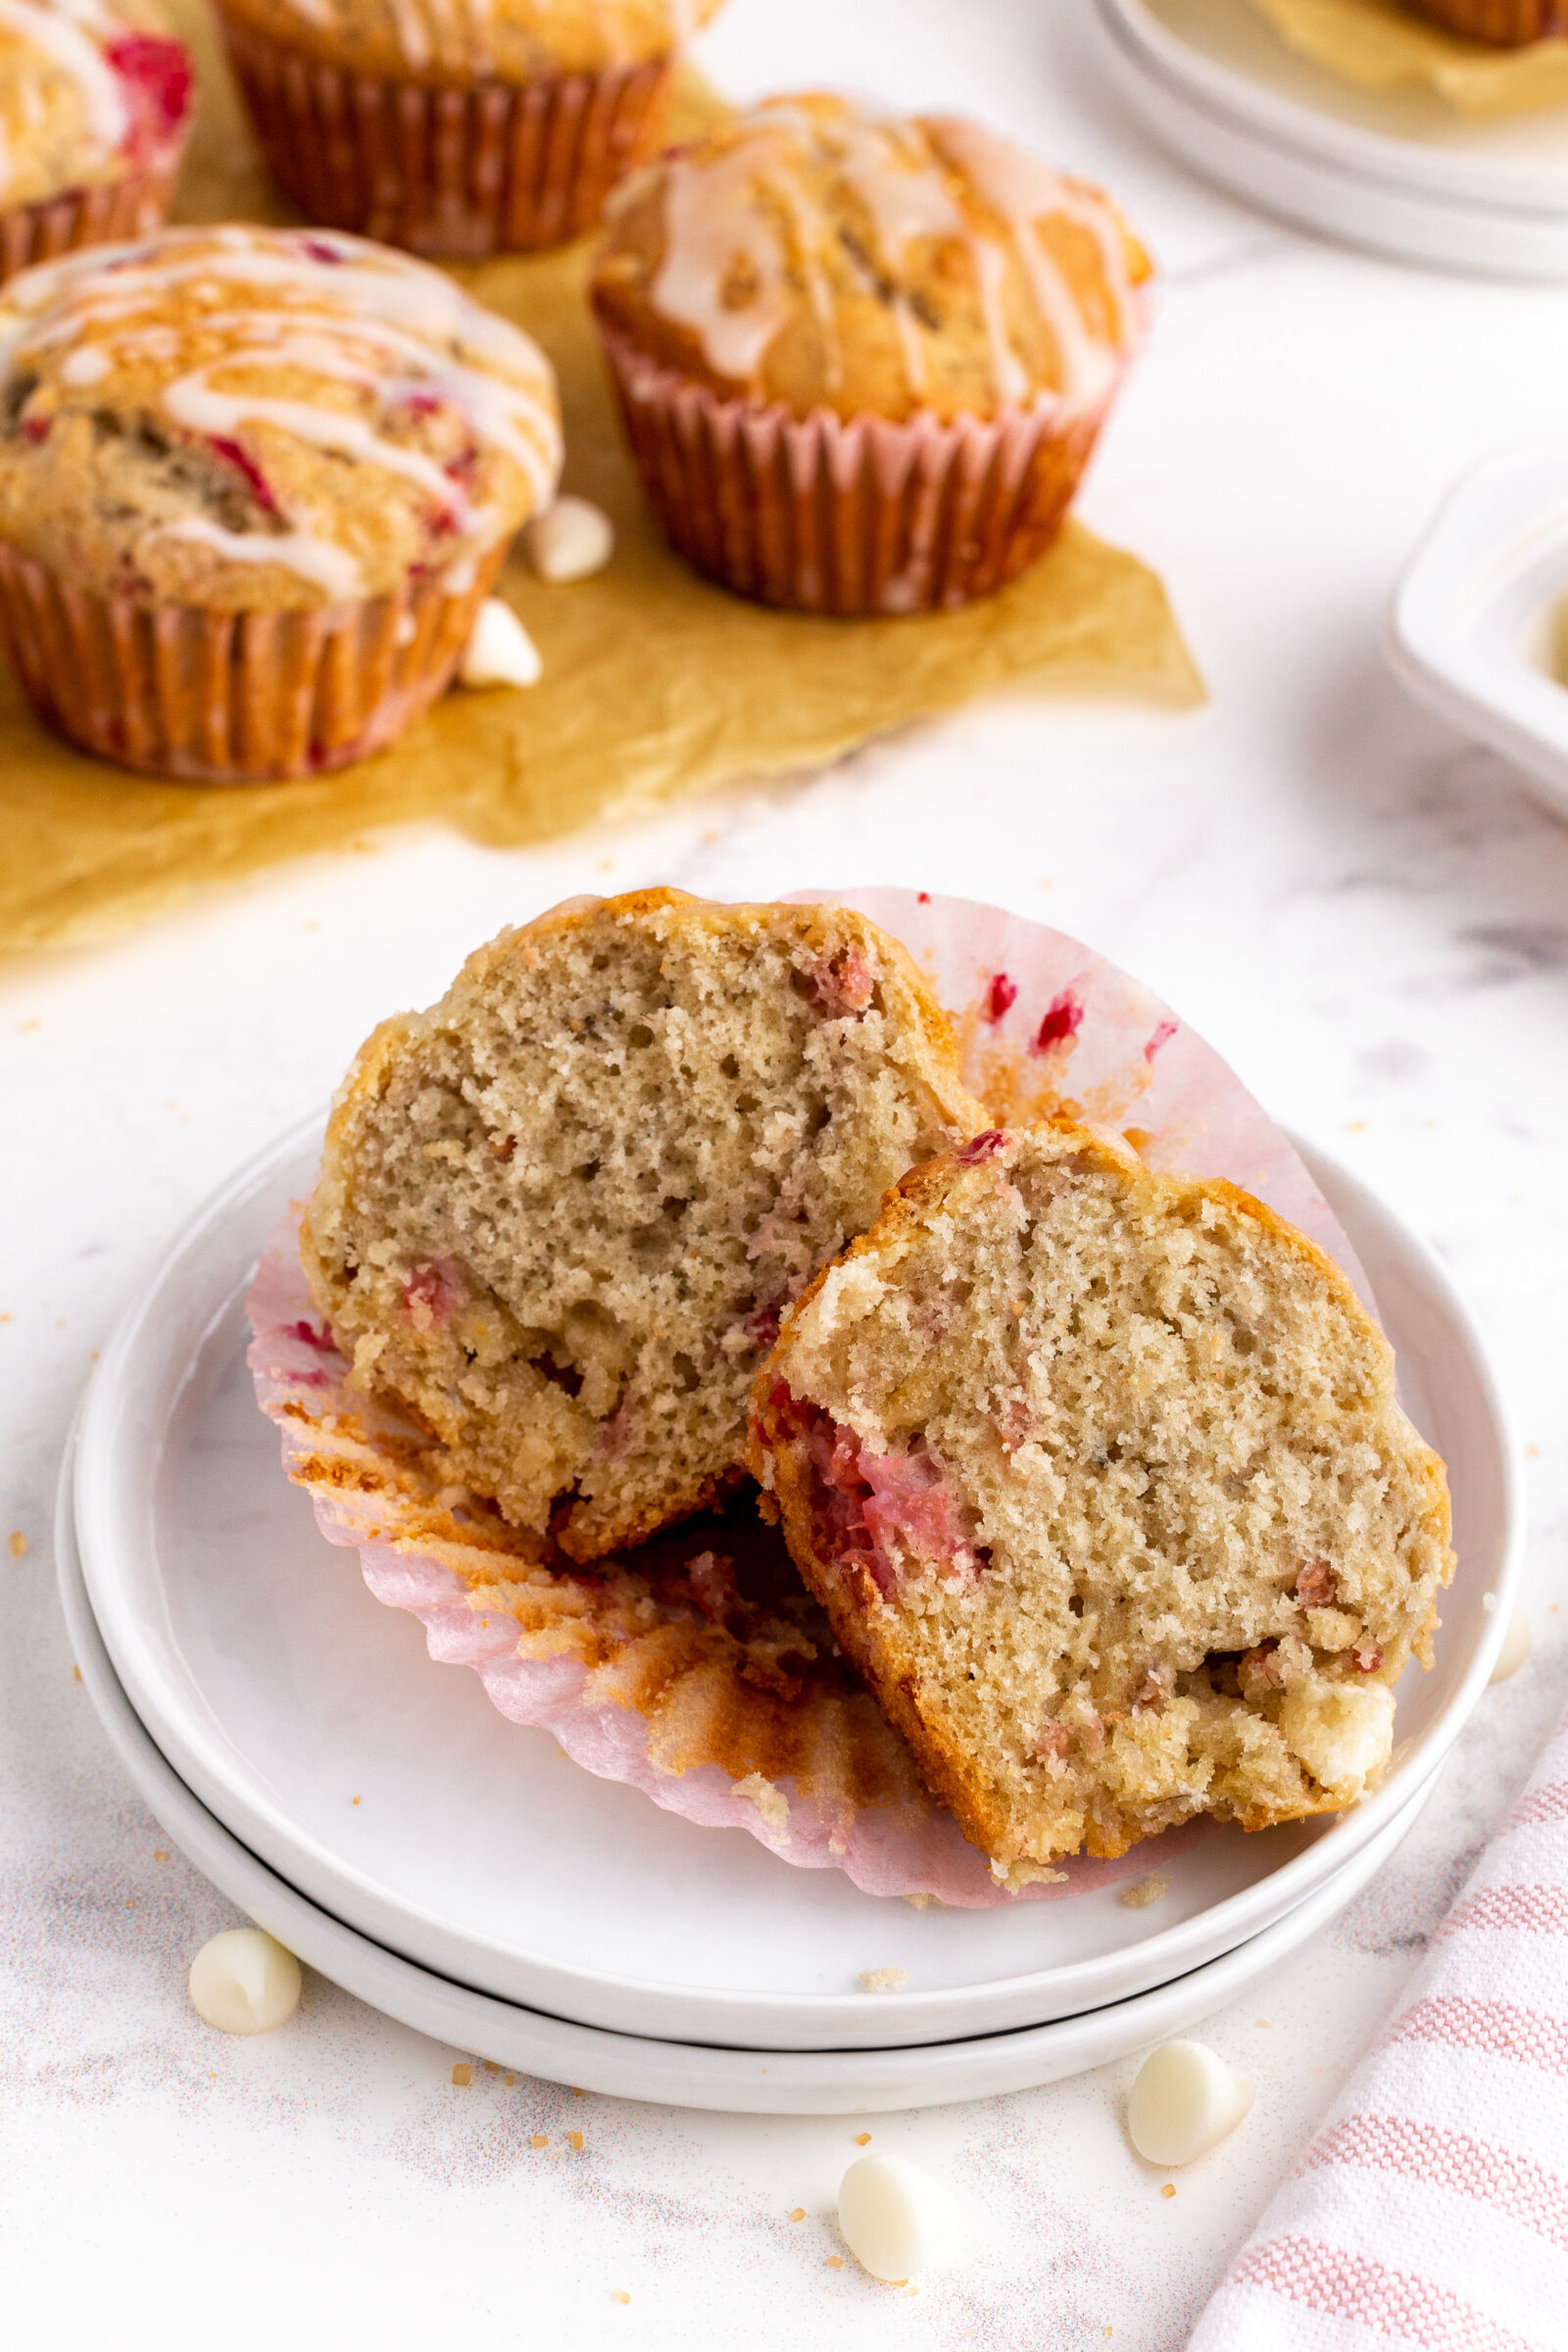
(1104, 1481)
(559, 1214)
(254, 486)
(862, 361)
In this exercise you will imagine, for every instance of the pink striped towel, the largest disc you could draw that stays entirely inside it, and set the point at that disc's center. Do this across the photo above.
(1432, 2210)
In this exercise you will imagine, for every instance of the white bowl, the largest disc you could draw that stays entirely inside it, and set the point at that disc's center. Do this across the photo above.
(1400, 174)
(1476, 620)
(745, 2082)
(281, 1693)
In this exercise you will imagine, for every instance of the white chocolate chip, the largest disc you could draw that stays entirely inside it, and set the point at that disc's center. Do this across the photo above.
(501, 652)
(1183, 2103)
(1342, 1732)
(244, 1983)
(1515, 1647)
(884, 1980)
(893, 2217)
(571, 540)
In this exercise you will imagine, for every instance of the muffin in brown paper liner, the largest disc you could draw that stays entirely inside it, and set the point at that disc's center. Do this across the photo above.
(461, 168)
(869, 516)
(1506, 24)
(233, 698)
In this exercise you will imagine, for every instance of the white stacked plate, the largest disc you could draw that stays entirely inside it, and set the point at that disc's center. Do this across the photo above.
(1402, 173)
(376, 1813)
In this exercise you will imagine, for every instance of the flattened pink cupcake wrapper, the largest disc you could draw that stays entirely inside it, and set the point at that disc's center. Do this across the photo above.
(128, 207)
(233, 698)
(1033, 1007)
(455, 168)
(857, 518)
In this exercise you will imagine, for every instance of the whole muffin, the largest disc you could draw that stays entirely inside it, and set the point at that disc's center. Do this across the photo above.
(95, 103)
(254, 486)
(862, 361)
(1506, 24)
(454, 129)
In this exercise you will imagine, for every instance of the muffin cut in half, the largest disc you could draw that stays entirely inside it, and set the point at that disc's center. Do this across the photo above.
(1101, 1478)
(559, 1214)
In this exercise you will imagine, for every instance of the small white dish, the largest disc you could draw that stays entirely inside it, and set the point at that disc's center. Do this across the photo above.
(312, 1723)
(1399, 173)
(1475, 626)
(744, 2082)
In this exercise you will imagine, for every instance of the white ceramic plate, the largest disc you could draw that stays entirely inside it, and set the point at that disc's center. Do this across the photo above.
(281, 1692)
(1402, 173)
(627, 2066)
(1476, 628)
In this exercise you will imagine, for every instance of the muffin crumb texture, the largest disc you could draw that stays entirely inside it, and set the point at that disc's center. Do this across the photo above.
(1104, 1481)
(560, 1215)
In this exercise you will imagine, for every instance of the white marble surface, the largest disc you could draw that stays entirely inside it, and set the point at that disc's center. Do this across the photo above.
(1368, 917)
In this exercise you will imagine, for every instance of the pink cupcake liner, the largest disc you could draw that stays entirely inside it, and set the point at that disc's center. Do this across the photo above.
(128, 207)
(233, 698)
(858, 517)
(1043, 1023)
(457, 169)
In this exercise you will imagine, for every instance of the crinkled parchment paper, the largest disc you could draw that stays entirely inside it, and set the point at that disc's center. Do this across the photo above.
(1380, 45)
(655, 684)
(697, 1668)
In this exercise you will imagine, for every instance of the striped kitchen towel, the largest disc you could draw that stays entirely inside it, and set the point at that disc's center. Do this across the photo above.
(1432, 2210)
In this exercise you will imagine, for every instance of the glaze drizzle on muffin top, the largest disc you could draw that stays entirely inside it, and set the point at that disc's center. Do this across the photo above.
(86, 92)
(511, 40)
(823, 255)
(264, 418)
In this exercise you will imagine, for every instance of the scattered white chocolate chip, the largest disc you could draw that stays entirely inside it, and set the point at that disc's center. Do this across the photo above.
(1183, 2103)
(570, 540)
(501, 652)
(1143, 1891)
(244, 1983)
(884, 1980)
(1515, 1647)
(895, 2219)
(1342, 1732)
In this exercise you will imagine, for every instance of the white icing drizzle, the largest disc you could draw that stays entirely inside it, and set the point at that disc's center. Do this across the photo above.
(320, 560)
(1024, 191)
(742, 233)
(379, 325)
(64, 32)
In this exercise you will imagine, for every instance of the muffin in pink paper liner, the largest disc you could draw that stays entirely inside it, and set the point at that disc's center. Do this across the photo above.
(697, 1668)
(255, 485)
(862, 362)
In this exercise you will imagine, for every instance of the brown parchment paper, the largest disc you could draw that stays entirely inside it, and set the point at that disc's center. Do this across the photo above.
(655, 684)
(1378, 45)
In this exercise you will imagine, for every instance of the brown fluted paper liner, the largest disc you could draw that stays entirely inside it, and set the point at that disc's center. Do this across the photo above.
(229, 698)
(656, 685)
(857, 518)
(486, 167)
(1381, 45)
(123, 208)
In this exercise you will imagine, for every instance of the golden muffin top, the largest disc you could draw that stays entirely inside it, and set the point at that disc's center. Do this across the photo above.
(86, 92)
(511, 40)
(822, 255)
(264, 418)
